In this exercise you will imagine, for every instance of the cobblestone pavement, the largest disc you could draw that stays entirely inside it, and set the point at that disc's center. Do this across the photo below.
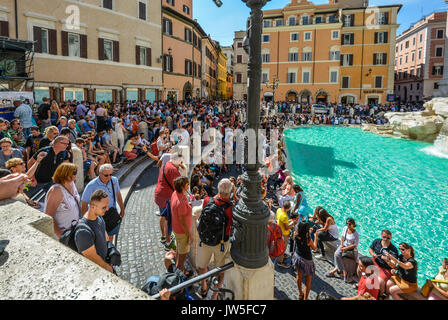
(142, 253)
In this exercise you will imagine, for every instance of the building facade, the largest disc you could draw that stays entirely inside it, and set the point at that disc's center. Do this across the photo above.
(420, 58)
(239, 67)
(210, 70)
(340, 52)
(182, 51)
(82, 51)
(222, 74)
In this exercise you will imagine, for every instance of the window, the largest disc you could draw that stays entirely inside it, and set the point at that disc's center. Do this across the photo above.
(292, 21)
(439, 51)
(293, 56)
(345, 82)
(346, 59)
(239, 44)
(279, 23)
(305, 77)
(333, 19)
(307, 56)
(266, 57)
(294, 37)
(419, 72)
(421, 37)
(142, 10)
(267, 23)
(307, 36)
(167, 27)
(334, 54)
(186, 9)
(108, 4)
(318, 20)
(266, 38)
(382, 37)
(406, 58)
(440, 34)
(413, 41)
(292, 77)
(412, 56)
(143, 55)
(437, 70)
(407, 44)
(382, 18)
(420, 53)
(108, 50)
(305, 20)
(239, 58)
(167, 63)
(44, 37)
(411, 73)
(333, 76)
(348, 38)
(348, 20)
(335, 35)
(171, 2)
(239, 78)
(401, 61)
(74, 45)
(188, 35)
(378, 82)
(436, 85)
(188, 68)
(264, 77)
(379, 58)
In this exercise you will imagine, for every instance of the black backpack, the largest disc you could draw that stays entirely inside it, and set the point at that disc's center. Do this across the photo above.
(212, 223)
(41, 112)
(68, 237)
(155, 284)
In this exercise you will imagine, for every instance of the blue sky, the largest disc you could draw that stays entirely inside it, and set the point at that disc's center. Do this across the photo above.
(221, 23)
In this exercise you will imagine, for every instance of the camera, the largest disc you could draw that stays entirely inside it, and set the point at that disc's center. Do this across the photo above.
(113, 255)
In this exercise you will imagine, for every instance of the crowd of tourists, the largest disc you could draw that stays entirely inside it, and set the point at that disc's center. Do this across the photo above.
(37, 154)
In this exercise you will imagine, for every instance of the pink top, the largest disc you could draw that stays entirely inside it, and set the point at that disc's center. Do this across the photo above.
(180, 207)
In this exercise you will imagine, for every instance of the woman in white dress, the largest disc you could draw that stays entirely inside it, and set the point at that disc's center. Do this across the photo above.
(120, 129)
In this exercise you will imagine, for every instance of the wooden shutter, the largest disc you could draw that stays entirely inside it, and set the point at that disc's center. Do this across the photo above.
(83, 45)
(164, 25)
(38, 39)
(376, 38)
(384, 58)
(386, 37)
(64, 41)
(4, 28)
(100, 49)
(142, 10)
(52, 42)
(374, 59)
(170, 27)
(386, 14)
(352, 38)
(171, 64)
(186, 67)
(137, 55)
(116, 51)
(351, 59)
(342, 59)
(352, 20)
(148, 57)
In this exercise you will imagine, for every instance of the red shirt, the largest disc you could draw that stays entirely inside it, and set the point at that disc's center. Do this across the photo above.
(163, 190)
(363, 288)
(180, 207)
(228, 212)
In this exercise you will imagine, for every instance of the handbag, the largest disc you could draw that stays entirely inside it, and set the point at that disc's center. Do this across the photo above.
(112, 218)
(426, 289)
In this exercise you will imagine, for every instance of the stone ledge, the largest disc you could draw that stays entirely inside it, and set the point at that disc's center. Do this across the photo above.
(36, 266)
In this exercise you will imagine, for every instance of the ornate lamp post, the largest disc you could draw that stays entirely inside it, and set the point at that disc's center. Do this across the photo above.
(249, 246)
(273, 85)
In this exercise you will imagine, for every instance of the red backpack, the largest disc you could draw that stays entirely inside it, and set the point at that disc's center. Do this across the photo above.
(276, 243)
(154, 148)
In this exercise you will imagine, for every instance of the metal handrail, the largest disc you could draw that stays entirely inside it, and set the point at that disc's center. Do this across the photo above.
(197, 279)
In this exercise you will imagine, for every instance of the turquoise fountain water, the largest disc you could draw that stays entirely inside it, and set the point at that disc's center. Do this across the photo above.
(382, 182)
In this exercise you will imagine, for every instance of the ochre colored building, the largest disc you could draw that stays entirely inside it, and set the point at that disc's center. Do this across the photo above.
(209, 72)
(222, 75)
(94, 57)
(343, 51)
(182, 51)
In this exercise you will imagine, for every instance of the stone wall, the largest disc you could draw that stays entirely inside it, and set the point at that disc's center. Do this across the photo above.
(36, 266)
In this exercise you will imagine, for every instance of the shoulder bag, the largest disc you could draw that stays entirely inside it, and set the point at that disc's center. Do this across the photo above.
(112, 218)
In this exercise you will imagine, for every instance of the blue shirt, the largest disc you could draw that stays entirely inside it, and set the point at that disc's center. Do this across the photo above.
(80, 110)
(96, 184)
(24, 113)
(86, 126)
